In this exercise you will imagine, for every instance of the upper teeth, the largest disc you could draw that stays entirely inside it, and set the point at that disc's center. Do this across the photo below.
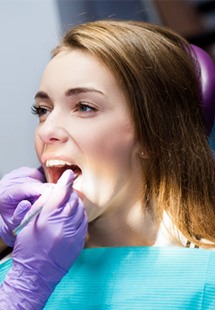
(56, 162)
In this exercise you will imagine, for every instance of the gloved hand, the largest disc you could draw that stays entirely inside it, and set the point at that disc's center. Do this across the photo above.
(46, 248)
(19, 189)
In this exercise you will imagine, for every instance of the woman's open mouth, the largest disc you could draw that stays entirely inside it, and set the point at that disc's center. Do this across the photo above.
(56, 167)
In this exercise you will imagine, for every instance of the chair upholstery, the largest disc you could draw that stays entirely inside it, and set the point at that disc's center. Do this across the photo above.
(207, 81)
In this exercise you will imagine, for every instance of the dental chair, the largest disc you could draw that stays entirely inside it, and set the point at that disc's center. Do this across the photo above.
(207, 83)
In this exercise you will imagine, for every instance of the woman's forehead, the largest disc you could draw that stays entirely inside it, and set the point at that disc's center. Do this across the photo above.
(77, 69)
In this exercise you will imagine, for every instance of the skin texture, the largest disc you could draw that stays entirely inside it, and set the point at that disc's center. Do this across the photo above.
(91, 129)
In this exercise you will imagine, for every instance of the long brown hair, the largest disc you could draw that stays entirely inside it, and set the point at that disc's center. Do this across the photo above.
(160, 77)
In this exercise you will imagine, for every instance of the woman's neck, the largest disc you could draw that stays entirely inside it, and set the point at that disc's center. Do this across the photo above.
(134, 227)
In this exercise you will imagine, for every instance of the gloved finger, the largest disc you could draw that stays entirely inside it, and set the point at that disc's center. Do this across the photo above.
(40, 202)
(24, 172)
(68, 208)
(20, 212)
(76, 219)
(78, 216)
(42, 174)
(29, 191)
(81, 225)
(60, 194)
(51, 199)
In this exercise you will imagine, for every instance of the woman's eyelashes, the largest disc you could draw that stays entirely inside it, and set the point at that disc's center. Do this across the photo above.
(39, 110)
(85, 107)
(81, 108)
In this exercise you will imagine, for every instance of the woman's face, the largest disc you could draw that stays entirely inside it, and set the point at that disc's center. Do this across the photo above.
(85, 125)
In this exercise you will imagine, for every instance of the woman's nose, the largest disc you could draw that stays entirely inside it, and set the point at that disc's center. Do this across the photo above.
(52, 129)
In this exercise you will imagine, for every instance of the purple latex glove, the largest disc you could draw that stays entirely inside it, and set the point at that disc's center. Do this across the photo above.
(45, 248)
(19, 189)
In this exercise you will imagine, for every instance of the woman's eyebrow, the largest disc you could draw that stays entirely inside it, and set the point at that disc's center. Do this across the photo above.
(41, 95)
(79, 90)
(70, 92)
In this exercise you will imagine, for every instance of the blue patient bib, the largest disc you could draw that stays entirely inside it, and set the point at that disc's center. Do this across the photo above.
(136, 278)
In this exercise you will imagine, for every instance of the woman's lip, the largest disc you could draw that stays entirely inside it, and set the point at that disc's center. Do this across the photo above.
(80, 194)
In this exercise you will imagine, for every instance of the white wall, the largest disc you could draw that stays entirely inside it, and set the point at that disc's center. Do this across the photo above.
(29, 29)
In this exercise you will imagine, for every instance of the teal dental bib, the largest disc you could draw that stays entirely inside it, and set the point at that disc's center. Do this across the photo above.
(136, 278)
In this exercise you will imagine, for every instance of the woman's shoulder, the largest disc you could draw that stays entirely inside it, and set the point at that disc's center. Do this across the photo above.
(170, 236)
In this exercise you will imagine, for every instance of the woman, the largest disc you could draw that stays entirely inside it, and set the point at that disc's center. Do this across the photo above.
(119, 110)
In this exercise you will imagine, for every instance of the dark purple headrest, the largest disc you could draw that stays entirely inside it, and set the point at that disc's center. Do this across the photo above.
(207, 67)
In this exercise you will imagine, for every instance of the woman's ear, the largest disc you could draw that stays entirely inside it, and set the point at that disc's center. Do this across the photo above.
(142, 152)
(143, 155)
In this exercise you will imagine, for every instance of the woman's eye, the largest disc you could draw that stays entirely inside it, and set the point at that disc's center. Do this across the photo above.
(85, 107)
(39, 111)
